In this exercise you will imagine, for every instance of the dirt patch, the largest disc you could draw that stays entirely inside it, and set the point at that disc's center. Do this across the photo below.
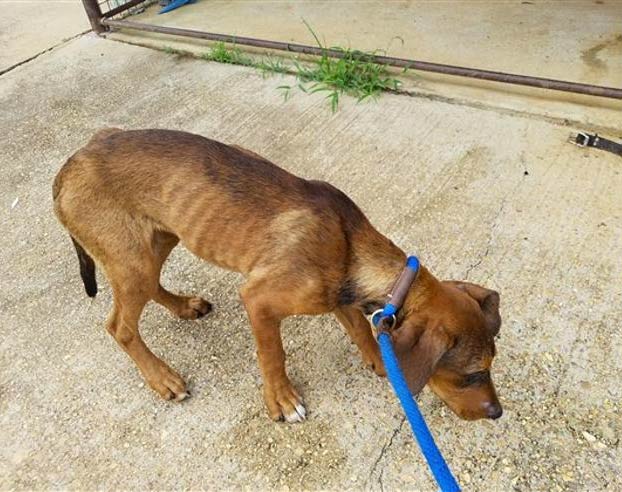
(288, 456)
(592, 56)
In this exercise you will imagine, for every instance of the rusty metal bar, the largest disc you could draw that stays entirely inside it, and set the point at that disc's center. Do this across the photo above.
(123, 8)
(94, 13)
(507, 78)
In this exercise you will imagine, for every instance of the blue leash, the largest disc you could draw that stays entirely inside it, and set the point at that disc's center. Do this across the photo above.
(433, 456)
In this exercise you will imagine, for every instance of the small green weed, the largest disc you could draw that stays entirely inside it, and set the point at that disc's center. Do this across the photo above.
(169, 50)
(222, 53)
(269, 65)
(354, 74)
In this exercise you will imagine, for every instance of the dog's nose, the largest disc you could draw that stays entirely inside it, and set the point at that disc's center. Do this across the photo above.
(493, 410)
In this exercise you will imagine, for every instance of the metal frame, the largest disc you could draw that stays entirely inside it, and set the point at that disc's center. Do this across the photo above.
(102, 22)
(96, 15)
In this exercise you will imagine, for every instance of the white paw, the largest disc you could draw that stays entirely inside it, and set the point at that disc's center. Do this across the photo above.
(182, 396)
(298, 416)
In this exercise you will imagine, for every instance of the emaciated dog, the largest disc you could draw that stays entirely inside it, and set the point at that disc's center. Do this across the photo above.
(129, 197)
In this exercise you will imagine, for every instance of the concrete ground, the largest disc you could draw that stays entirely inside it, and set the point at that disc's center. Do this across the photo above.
(29, 27)
(581, 42)
(477, 191)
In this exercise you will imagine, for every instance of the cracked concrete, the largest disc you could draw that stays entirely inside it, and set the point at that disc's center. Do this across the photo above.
(383, 452)
(31, 27)
(76, 415)
(493, 227)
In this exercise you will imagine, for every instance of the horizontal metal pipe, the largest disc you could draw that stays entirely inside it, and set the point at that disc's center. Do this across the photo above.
(508, 78)
(122, 8)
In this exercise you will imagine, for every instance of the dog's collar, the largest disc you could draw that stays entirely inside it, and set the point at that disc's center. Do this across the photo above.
(385, 319)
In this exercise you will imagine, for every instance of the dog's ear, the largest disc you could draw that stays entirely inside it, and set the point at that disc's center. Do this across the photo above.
(488, 301)
(418, 347)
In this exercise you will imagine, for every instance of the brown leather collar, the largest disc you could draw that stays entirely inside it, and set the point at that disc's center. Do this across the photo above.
(386, 318)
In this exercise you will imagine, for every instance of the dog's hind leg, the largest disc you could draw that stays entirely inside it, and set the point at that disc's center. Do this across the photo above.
(186, 307)
(134, 282)
(131, 252)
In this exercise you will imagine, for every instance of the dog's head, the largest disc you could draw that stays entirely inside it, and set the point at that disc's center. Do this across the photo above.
(448, 343)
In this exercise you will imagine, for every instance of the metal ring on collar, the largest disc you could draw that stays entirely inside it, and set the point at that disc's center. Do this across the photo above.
(377, 317)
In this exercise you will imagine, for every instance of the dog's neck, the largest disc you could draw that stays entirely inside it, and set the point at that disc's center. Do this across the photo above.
(376, 264)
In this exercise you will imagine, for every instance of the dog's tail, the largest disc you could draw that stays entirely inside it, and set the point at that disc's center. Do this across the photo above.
(87, 269)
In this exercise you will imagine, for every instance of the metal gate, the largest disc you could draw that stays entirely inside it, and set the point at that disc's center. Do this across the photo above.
(102, 12)
(98, 10)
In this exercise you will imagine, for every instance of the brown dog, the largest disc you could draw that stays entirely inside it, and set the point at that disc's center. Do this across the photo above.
(128, 198)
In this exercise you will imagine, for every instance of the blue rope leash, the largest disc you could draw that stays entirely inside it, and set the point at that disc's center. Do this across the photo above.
(433, 456)
(437, 464)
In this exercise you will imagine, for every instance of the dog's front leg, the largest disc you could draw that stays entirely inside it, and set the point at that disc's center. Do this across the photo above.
(282, 399)
(360, 333)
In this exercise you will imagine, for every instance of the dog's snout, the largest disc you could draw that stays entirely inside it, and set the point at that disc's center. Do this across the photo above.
(493, 410)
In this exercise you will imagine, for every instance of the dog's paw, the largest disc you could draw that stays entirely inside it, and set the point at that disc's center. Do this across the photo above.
(284, 403)
(298, 415)
(166, 382)
(195, 307)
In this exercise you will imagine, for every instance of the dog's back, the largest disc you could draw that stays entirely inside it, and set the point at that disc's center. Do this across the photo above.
(212, 196)
(128, 198)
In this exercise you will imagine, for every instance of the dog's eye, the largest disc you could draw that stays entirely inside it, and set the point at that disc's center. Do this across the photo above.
(478, 377)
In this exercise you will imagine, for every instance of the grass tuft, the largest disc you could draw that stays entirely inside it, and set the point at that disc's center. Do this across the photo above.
(222, 53)
(354, 74)
(169, 50)
(269, 65)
